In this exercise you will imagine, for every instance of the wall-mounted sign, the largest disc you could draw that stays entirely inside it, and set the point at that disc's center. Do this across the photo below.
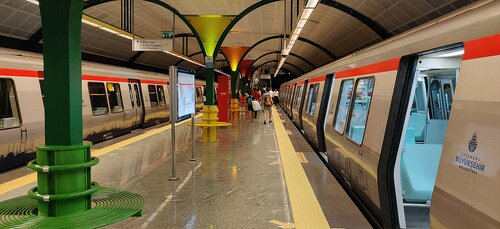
(152, 45)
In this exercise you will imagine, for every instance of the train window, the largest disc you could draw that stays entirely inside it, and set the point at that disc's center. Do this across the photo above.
(131, 95)
(199, 94)
(313, 97)
(98, 100)
(42, 91)
(359, 112)
(153, 97)
(115, 97)
(137, 95)
(309, 98)
(9, 112)
(161, 95)
(298, 97)
(343, 106)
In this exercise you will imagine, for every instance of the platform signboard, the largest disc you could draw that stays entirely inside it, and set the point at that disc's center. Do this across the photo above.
(182, 106)
(152, 45)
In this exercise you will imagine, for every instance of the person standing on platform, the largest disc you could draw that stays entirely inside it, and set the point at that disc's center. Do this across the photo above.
(267, 102)
(276, 96)
(257, 96)
(250, 112)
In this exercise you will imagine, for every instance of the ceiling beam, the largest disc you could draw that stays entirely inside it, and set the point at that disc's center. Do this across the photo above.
(323, 49)
(135, 56)
(291, 54)
(237, 19)
(276, 61)
(92, 3)
(374, 26)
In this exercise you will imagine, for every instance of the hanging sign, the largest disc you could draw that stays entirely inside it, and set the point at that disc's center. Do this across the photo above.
(209, 61)
(265, 76)
(167, 34)
(152, 45)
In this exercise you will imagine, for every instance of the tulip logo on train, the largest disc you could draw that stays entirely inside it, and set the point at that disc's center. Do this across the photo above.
(470, 161)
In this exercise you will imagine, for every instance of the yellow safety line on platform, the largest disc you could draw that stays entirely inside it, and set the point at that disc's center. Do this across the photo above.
(30, 178)
(306, 210)
(302, 158)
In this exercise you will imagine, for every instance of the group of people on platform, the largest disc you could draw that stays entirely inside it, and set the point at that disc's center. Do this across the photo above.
(256, 101)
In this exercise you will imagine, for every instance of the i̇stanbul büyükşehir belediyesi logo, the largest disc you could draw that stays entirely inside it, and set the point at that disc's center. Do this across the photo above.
(470, 161)
(473, 143)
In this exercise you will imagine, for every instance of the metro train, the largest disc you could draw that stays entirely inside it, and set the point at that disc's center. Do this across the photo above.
(410, 126)
(115, 101)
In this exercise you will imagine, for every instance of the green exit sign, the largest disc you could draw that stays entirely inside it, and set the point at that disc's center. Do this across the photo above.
(167, 34)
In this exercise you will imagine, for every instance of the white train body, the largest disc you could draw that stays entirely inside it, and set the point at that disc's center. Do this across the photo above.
(115, 100)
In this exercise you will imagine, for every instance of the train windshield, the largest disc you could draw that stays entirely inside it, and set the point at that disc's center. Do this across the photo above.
(421, 143)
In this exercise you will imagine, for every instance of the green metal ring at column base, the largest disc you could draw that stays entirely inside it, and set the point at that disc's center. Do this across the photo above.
(33, 193)
(108, 206)
(56, 168)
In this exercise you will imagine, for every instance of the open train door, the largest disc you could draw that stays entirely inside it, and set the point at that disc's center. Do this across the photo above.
(134, 88)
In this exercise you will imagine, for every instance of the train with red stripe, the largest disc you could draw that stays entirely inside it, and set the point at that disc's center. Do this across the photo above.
(115, 101)
(410, 126)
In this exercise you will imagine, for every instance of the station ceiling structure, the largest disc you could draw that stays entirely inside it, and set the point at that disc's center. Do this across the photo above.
(335, 29)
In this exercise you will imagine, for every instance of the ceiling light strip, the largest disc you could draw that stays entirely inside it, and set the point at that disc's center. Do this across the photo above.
(304, 17)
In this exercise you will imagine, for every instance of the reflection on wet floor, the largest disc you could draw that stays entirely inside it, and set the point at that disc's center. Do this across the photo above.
(237, 182)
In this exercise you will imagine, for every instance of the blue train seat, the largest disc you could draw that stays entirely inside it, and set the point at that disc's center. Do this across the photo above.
(419, 166)
(410, 135)
(418, 122)
(356, 133)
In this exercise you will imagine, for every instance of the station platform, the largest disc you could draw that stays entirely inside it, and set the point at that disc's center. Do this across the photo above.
(255, 176)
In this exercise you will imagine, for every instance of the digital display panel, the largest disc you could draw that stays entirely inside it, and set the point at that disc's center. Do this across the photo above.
(186, 99)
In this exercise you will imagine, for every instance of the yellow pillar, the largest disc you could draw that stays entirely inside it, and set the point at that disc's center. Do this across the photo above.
(235, 109)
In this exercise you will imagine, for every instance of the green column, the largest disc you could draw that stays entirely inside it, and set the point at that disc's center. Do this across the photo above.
(234, 80)
(62, 25)
(210, 75)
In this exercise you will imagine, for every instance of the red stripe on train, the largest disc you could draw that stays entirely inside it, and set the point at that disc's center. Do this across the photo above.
(154, 82)
(484, 47)
(18, 72)
(40, 74)
(317, 79)
(103, 78)
(384, 66)
(300, 83)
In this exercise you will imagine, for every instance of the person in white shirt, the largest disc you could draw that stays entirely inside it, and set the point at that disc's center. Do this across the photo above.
(275, 94)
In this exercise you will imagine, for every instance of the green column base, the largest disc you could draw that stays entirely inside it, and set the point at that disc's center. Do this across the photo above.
(65, 196)
(108, 206)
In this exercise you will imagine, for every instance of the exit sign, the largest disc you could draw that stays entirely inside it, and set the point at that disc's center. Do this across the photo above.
(167, 34)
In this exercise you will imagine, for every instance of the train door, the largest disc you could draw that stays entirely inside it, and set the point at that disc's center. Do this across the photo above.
(421, 143)
(302, 102)
(137, 105)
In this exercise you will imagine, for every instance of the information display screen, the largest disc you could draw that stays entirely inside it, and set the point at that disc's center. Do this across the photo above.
(185, 94)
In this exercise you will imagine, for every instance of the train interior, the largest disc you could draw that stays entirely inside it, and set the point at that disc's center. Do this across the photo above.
(424, 133)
